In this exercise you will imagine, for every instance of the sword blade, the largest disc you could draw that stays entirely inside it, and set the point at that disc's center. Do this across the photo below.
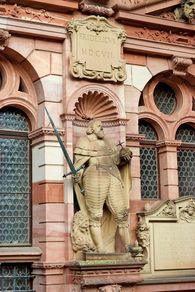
(66, 155)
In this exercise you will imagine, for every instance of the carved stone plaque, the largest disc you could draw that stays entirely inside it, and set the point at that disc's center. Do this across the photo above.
(96, 47)
(166, 235)
(174, 246)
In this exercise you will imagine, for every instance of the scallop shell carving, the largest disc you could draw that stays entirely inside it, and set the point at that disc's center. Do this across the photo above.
(95, 105)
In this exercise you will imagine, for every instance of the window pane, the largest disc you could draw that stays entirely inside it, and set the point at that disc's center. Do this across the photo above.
(186, 172)
(15, 277)
(148, 162)
(12, 119)
(164, 98)
(14, 185)
(149, 174)
(186, 134)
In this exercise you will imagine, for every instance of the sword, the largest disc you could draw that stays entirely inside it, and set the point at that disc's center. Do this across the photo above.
(73, 170)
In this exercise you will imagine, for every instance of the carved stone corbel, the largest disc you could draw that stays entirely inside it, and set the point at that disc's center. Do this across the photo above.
(90, 7)
(180, 65)
(4, 38)
(110, 288)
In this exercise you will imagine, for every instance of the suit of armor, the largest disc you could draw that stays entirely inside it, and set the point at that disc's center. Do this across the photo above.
(102, 181)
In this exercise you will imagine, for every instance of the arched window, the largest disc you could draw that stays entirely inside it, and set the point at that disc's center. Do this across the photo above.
(148, 162)
(186, 160)
(15, 190)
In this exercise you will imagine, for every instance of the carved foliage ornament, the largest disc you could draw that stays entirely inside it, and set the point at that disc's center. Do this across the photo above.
(188, 213)
(162, 36)
(96, 47)
(143, 234)
(4, 38)
(169, 210)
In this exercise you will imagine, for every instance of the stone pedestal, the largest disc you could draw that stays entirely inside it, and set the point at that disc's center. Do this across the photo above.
(110, 272)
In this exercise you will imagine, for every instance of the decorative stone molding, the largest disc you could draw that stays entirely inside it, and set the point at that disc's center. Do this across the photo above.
(48, 266)
(43, 134)
(135, 137)
(96, 49)
(111, 123)
(104, 274)
(168, 143)
(94, 8)
(26, 13)
(180, 65)
(169, 37)
(4, 39)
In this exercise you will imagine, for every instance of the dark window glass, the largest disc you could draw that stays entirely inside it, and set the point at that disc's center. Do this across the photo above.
(14, 178)
(15, 277)
(186, 160)
(164, 98)
(148, 162)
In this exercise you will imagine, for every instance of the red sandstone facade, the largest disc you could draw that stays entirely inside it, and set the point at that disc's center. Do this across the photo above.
(35, 50)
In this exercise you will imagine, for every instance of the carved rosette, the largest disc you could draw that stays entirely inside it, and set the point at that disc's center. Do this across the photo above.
(96, 47)
(4, 39)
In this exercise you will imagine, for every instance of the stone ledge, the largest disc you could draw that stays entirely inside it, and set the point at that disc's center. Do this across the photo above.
(93, 273)
(20, 254)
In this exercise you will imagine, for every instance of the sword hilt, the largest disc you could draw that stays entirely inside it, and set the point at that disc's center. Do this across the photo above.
(71, 173)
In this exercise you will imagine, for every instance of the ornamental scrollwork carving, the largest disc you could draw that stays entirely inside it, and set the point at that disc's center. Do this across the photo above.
(188, 213)
(169, 210)
(143, 234)
(96, 46)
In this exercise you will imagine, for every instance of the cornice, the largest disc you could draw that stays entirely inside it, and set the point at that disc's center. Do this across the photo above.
(59, 5)
(43, 134)
(150, 21)
(135, 137)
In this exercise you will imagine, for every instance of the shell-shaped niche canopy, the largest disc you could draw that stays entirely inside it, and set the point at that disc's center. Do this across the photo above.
(95, 105)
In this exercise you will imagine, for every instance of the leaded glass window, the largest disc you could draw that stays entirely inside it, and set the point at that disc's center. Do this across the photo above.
(186, 160)
(164, 98)
(148, 162)
(15, 277)
(14, 178)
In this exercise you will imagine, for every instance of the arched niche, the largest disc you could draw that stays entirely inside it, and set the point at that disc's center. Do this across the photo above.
(95, 102)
